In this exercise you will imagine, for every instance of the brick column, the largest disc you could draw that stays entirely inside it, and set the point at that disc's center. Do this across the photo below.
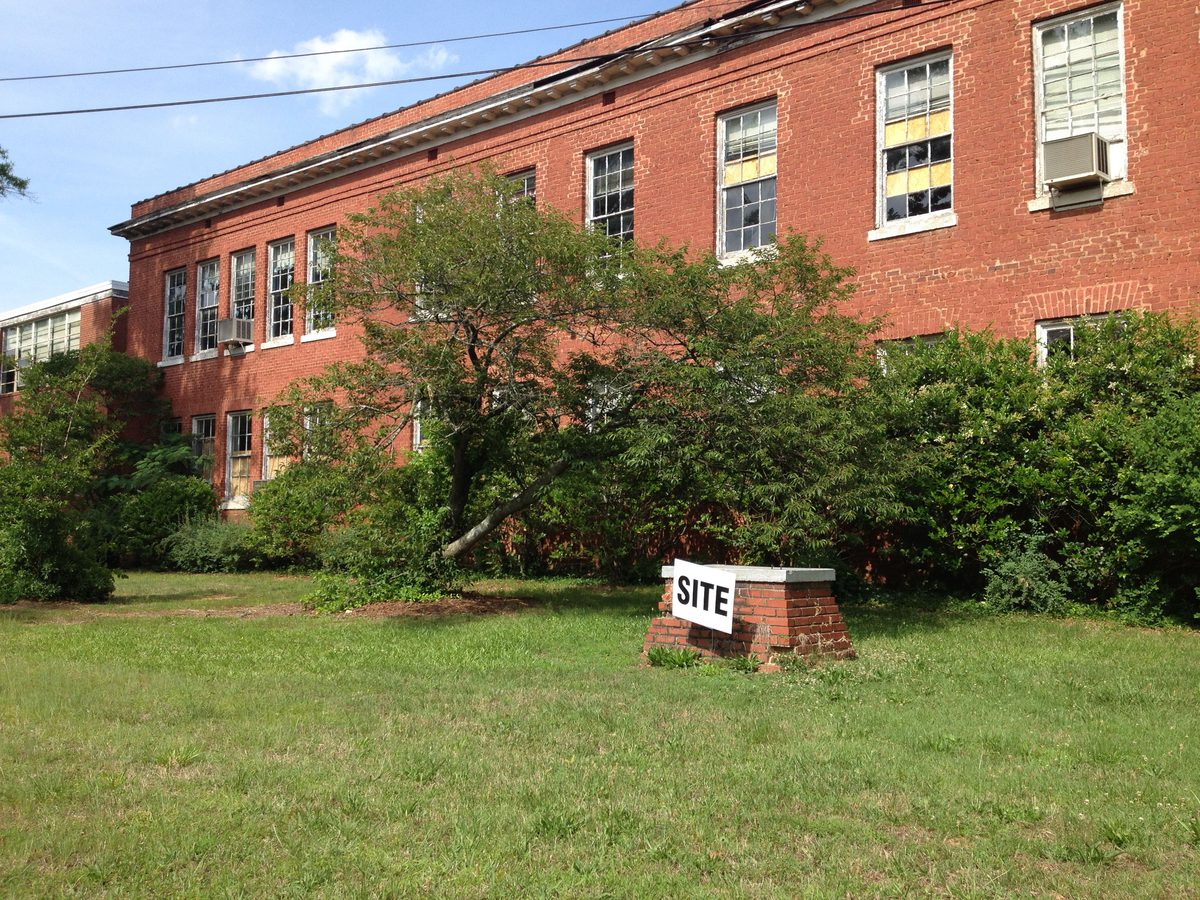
(776, 612)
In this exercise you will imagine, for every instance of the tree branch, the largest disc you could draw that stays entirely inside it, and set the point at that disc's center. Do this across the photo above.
(496, 517)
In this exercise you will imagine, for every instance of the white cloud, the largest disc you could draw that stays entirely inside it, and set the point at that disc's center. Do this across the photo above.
(336, 69)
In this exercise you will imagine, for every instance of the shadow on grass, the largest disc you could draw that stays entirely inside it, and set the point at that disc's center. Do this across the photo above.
(575, 595)
(199, 596)
(895, 613)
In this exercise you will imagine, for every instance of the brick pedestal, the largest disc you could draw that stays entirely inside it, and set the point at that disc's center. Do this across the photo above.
(776, 612)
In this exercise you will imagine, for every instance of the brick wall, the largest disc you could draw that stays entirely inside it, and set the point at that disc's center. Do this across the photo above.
(1001, 266)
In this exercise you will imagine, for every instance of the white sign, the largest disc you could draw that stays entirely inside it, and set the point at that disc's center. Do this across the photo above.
(704, 595)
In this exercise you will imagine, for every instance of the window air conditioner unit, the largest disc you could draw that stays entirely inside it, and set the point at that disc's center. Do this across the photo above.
(235, 331)
(1076, 161)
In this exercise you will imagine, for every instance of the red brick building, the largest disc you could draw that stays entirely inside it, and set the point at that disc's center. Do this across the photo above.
(917, 137)
(60, 324)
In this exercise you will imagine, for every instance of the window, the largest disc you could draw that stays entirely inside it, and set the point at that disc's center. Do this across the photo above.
(237, 458)
(418, 437)
(241, 297)
(1080, 80)
(1056, 337)
(892, 348)
(318, 431)
(320, 259)
(204, 433)
(526, 185)
(272, 463)
(283, 269)
(610, 192)
(173, 314)
(746, 174)
(915, 161)
(208, 281)
(33, 342)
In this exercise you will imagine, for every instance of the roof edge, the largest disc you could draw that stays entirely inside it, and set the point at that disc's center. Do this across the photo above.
(685, 45)
(70, 300)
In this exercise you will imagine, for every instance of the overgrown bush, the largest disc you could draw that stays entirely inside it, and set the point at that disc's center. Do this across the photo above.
(389, 547)
(1095, 451)
(209, 545)
(153, 494)
(146, 518)
(57, 445)
(293, 513)
(1025, 578)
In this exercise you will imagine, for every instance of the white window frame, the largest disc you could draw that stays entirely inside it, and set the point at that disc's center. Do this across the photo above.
(316, 276)
(1043, 328)
(213, 297)
(168, 296)
(229, 452)
(722, 119)
(418, 439)
(524, 181)
(589, 219)
(278, 298)
(198, 435)
(235, 299)
(267, 457)
(1118, 158)
(943, 218)
(35, 341)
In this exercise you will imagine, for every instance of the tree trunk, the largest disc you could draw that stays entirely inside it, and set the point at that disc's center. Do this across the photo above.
(496, 517)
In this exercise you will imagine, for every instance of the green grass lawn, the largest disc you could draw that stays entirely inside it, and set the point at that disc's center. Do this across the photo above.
(150, 750)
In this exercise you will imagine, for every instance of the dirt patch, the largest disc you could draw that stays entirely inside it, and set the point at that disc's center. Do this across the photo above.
(64, 612)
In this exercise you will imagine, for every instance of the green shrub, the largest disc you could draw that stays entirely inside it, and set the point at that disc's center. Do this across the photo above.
(336, 592)
(210, 545)
(57, 445)
(1025, 578)
(146, 518)
(673, 657)
(390, 547)
(292, 513)
(1096, 454)
(746, 665)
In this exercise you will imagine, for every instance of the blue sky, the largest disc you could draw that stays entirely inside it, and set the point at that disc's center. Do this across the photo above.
(86, 170)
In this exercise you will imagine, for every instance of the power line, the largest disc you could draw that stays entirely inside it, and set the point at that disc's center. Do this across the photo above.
(312, 53)
(604, 57)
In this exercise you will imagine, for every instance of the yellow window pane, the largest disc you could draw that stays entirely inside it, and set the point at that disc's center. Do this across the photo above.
(895, 134)
(939, 123)
(897, 184)
(276, 464)
(239, 476)
(733, 173)
(939, 175)
(749, 170)
(917, 128)
(918, 179)
(767, 165)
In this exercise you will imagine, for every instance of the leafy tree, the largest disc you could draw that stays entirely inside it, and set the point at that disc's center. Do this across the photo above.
(57, 445)
(529, 346)
(9, 182)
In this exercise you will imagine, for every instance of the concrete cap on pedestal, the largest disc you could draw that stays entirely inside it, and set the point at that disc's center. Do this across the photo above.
(767, 574)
